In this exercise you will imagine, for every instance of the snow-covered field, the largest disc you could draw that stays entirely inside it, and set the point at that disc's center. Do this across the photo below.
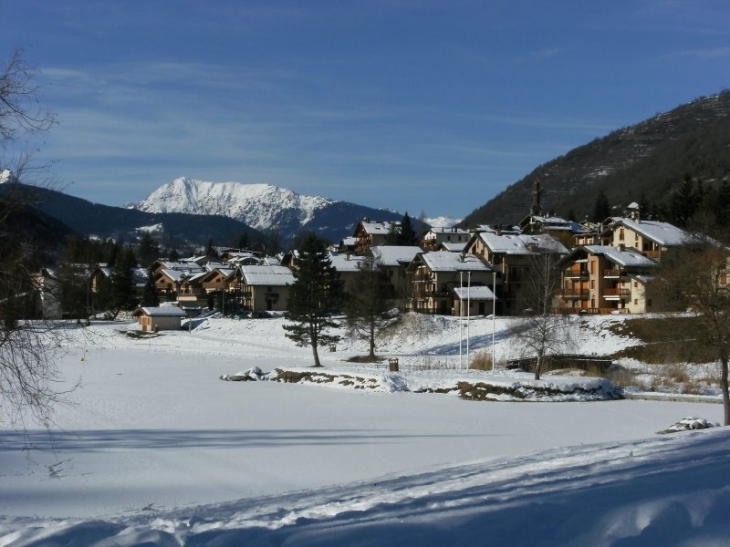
(155, 449)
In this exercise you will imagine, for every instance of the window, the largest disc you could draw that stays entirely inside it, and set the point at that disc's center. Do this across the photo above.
(621, 234)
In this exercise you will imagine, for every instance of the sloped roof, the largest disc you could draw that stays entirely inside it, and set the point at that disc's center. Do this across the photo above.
(474, 293)
(628, 258)
(661, 233)
(447, 231)
(444, 261)
(395, 255)
(346, 263)
(522, 244)
(267, 275)
(453, 247)
(160, 311)
(382, 228)
(174, 275)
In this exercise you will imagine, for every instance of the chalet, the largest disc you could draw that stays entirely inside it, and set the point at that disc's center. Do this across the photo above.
(435, 275)
(557, 227)
(371, 234)
(347, 245)
(604, 279)
(512, 256)
(650, 237)
(153, 319)
(395, 260)
(265, 287)
(347, 266)
(432, 240)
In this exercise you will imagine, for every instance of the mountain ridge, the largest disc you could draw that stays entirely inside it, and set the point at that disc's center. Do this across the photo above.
(264, 207)
(648, 159)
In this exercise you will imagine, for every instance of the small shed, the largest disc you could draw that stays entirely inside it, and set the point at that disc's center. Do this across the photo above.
(160, 318)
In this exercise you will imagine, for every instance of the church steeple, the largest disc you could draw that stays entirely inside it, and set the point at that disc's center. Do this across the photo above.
(535, 209)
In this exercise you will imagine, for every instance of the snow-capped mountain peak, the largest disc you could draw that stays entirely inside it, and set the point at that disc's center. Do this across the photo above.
(262, 206)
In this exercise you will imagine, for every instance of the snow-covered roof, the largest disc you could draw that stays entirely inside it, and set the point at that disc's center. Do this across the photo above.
(271, 261)
(436, 231)
(522, 244)
(345, 262)
(382, 228)
(395, 255)
(474, 293)
(552, 223)
(174, 275)
(453, 247)
(444, 261)
(661, 233)
(544, 243)
(161, 311)
(182, 266)
(628, 258)
(513, 230)
(267, 275)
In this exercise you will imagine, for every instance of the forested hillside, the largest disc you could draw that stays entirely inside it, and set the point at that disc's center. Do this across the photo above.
(646, 163)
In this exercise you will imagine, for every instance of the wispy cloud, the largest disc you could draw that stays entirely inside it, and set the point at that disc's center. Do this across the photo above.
(706, 53)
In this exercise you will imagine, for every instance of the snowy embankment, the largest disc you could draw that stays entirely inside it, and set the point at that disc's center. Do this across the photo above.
(494, 386)
(155, 449)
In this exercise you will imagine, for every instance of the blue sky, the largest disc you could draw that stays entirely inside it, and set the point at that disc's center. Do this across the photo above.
(416, 105)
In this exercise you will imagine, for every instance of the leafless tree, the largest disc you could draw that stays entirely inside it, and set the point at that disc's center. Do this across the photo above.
(541, 329)
(28, 346)
(20, 110)
(694, 279)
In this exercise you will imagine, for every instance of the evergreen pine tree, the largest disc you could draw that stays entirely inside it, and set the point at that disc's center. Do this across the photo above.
(148, 250)
(150, 297)
(123, 286)
(602, 208)
(721, 206)
(314, 296)
(683, 203)
(211, 250)
(407, 234)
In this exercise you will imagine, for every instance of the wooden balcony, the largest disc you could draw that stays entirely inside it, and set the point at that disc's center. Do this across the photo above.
(622, 294)
(572, 294)
(576, 274)
(615, 273)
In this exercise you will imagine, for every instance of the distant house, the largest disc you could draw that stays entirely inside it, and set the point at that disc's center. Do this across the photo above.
(152, 319)
(347, 265)
(604, 279)
(395, 260)
(650, 237)
(512, 256)
(433, 239)
(370, 234)
(435, 276)
(265, 287)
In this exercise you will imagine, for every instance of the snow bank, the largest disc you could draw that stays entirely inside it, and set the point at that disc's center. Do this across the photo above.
(507, 386)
